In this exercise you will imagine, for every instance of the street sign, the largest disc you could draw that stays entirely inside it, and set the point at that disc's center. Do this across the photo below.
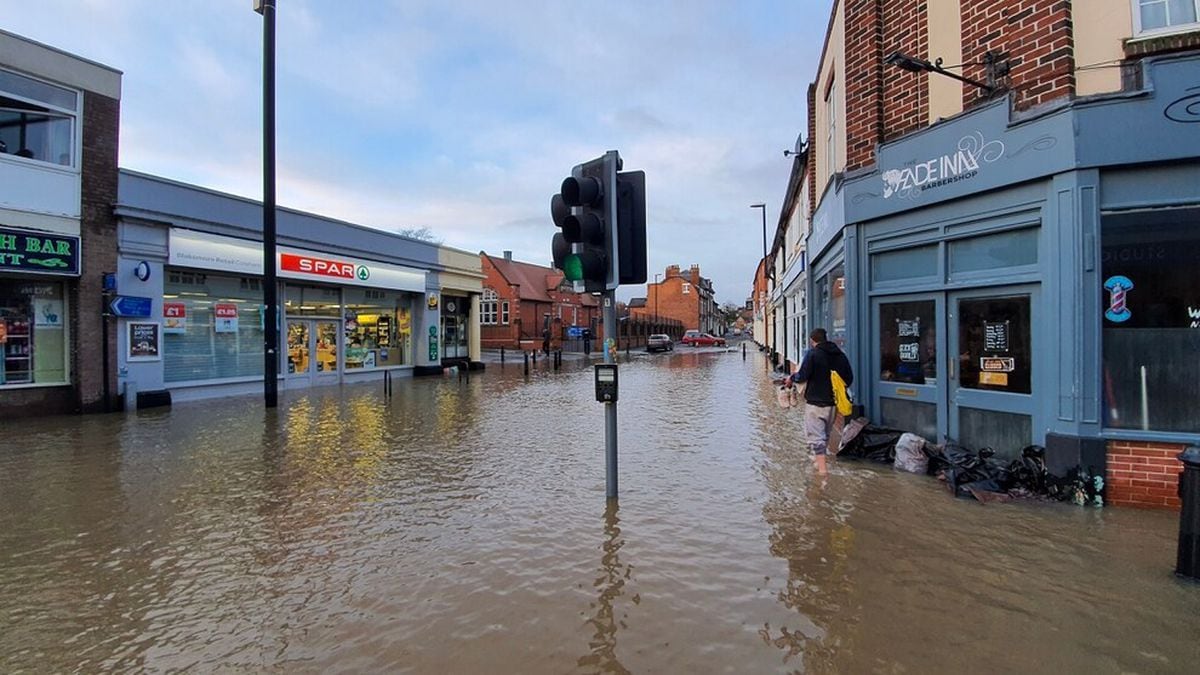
(130, 306)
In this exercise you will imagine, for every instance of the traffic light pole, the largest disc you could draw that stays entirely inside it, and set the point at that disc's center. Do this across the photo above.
(609, 301)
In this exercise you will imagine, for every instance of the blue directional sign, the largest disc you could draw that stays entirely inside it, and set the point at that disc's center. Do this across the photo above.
(130, 306)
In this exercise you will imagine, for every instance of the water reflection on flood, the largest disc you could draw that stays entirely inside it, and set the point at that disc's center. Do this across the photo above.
(461, 526)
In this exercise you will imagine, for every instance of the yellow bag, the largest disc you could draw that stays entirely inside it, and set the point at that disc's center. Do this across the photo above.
(841, 398)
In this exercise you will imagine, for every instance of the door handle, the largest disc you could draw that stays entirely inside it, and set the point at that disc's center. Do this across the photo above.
(950, 369)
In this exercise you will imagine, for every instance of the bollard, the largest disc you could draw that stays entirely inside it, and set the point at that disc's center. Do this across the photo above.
(526, 363)
(501, 354)
(1187, 563)
(534, 357)
(743, 351)
(131, 390)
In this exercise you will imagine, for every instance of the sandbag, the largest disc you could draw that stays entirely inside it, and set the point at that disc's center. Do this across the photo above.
(862, 440)
(910, 454)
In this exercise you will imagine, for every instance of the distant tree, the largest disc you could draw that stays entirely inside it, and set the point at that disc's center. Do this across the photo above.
(419, 233)
(729, 313)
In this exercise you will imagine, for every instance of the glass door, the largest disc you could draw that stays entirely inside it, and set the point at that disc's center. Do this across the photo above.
(911, 385)
(992, 369)
(325, 347)
(299, 349)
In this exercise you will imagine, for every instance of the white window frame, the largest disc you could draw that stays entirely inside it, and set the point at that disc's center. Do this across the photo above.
(831, 130)
(1136, 7)
(487, 308)
(687, 288)
(76, 117)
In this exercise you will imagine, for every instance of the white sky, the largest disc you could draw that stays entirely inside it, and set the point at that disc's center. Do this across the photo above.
(464, 116)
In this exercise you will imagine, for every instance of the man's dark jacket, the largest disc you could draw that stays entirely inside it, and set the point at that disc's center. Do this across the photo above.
(815, 369)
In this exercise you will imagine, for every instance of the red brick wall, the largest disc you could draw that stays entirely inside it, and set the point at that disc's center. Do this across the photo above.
(673, 303)
(811, 159)
(864, 81)
(500, 335)
(1144, 474)
(1035, 35)
(905, 94)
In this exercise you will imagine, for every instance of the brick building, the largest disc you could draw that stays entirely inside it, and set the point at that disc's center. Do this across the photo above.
(1011, 260)
(520, 300)
(683, 297)
(59, 124)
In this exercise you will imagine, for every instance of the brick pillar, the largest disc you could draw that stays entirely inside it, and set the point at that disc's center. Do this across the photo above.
(98, 230)
(1144, 474)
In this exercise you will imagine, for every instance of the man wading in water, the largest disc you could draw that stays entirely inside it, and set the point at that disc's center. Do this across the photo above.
(820, 412)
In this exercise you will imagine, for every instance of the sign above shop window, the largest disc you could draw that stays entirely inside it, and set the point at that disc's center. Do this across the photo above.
(38, 252)
(201, 250)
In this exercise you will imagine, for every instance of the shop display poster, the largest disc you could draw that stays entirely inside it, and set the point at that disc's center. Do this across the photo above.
(225, 317)
(143, 344)
(174, 317)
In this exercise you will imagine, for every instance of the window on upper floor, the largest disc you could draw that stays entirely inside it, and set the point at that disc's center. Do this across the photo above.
(687, 288)
(1161, 16)
(831, 128)
(37, 120)
(487, 308)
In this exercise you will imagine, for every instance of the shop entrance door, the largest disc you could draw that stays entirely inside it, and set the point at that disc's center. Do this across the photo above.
(958, 366)
(454, 336)
(312, 351)
(992, 369)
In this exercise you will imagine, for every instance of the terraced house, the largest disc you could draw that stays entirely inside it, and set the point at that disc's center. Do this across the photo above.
(1005, 226)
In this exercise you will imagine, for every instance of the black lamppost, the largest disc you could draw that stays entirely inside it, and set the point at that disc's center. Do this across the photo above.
(656, 276)
(270, 285)
(767, 272)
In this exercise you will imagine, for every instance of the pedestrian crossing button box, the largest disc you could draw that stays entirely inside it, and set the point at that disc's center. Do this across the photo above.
(606, 382)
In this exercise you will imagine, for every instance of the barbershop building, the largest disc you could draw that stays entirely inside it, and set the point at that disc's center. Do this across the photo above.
(1006, 278)
(355, 302)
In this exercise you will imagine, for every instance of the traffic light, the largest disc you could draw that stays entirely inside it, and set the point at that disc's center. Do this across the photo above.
(631, 227)
(585, 210)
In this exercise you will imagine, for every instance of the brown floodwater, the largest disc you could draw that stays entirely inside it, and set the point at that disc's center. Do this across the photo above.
(461, 527)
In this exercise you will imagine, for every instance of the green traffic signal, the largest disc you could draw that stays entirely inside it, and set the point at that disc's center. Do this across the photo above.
(573, 268)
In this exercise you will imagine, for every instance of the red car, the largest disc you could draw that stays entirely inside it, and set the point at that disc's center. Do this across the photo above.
(707, 340)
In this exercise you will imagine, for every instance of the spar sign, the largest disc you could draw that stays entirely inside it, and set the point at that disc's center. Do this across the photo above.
(323, 267)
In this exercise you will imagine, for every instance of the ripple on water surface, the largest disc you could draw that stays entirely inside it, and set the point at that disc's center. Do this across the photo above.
(461, 526)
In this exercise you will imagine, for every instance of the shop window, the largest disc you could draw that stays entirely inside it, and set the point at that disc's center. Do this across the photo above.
(1154, 16)
(908, 342)
(378, 328)
(32, 333)
(994, 344)
(994, 251)
(37, 120)
(837, 306)
(312, 301)
(911, 263)
(1150, 265)
(212, 328)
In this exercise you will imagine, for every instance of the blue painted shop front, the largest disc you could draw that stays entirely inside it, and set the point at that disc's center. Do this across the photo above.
(986, 263)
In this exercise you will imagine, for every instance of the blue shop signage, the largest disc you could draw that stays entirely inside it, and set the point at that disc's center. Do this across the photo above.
(979, 151)
(38, 252)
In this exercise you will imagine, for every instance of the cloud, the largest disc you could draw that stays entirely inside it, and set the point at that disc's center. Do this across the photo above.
(465, 116)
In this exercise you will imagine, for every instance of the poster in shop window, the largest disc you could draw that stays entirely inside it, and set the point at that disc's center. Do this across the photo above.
(143, 344)
(995, 337)
(174, 318)
(225, 317)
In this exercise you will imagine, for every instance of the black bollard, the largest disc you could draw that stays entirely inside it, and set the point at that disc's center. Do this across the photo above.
(526, 363)
(501, 354)
(535, 357)
(743, 351)
(1187, 563)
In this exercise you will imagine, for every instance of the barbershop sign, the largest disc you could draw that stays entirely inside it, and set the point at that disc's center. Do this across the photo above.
(963, 162)
(38, 252)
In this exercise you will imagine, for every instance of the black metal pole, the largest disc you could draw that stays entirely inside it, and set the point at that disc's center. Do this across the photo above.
(270, 284)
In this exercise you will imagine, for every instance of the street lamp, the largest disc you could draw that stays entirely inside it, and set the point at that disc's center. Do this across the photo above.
(270, 285)
(763, 208)
(656, 276)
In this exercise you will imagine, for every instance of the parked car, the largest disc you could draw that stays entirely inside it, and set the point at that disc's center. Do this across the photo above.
(689, 336)
(660, 342)
(707, 340)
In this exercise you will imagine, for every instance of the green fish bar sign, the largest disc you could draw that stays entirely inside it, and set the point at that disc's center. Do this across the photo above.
(38, 252)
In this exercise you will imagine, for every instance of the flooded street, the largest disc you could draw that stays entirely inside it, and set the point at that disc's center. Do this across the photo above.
(461, 527)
